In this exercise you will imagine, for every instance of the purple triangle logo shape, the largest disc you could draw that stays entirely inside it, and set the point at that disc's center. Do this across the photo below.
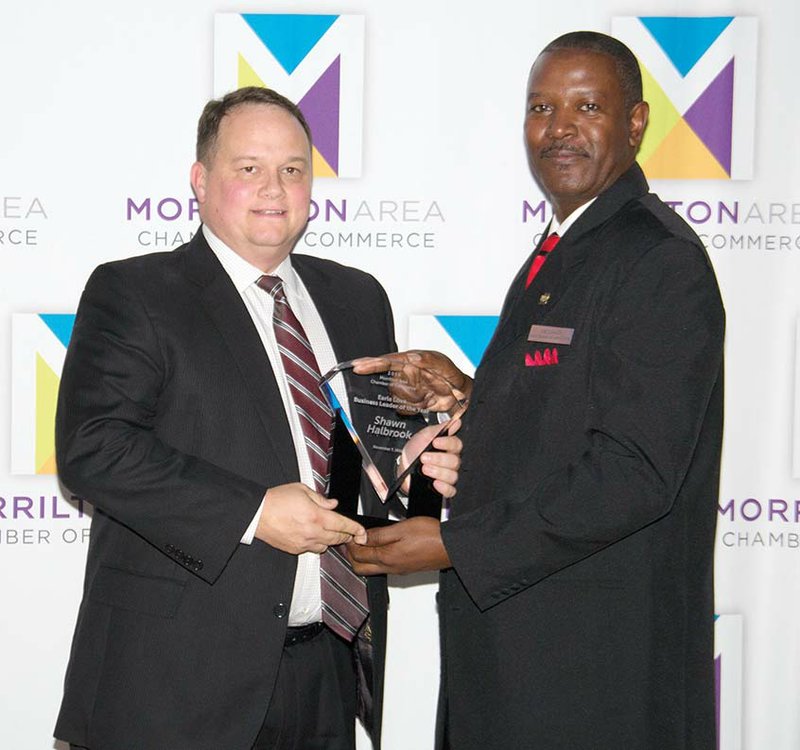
(711, 116)
(320, 106)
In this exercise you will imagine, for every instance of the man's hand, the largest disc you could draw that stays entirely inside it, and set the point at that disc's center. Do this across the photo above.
(296, 519)
(408, 546)
(425, 379)
(441, 465)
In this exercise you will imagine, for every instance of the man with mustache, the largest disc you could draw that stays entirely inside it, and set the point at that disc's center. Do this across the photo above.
(576, 601)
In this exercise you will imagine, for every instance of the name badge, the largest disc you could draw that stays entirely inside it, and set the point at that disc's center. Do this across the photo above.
(551, 335)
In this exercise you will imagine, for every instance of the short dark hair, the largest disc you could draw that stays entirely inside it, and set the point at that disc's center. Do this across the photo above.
(628, 72)
(216, 109)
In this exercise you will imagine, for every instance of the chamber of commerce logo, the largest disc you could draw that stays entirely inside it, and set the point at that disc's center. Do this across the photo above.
(316, 61)
(728, 652)
(38, 346)
(699, 77)
(463, 338)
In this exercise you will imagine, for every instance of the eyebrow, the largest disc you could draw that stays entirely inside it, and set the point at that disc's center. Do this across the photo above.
(246, 157)
(581, 93)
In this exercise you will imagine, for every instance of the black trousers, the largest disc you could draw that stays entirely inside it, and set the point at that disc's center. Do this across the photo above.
(313, 705)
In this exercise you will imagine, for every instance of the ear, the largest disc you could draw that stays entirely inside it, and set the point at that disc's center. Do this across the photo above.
(197, 176)
(637, 122)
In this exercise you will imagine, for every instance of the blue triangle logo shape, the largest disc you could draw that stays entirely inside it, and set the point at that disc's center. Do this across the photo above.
(289, 37)
(685, 40)
(471, 333)
(60, 324)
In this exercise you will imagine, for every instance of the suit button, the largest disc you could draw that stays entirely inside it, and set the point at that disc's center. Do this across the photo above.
(198, 565)
(280, 610)
(170, 548)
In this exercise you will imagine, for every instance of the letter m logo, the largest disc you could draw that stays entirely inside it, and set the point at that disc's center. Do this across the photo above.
(38, 346)
(699, 76)
(316, 61)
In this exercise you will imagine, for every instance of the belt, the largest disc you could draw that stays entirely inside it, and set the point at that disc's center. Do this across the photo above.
(302, 634)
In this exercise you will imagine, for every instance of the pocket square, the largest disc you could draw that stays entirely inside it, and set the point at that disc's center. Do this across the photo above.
(542, 359)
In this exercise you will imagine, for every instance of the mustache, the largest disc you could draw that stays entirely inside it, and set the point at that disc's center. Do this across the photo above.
(561, 147)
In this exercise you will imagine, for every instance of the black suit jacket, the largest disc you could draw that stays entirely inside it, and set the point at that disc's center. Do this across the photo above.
(579, 613)
(171, 424)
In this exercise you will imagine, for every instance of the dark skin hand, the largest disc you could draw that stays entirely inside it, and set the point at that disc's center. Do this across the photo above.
(425, 379)
(410, 546)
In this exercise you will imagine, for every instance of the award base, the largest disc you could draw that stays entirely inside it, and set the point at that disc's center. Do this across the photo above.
(423, 499)
(345, 484)
(345, 478)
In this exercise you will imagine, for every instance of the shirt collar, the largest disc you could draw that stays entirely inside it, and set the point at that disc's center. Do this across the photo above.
(242, 273)
(564, 226)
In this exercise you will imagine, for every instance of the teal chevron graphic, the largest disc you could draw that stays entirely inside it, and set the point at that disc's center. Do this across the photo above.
(289, 37)
(471, 333)
(685, 40)
(60, 324)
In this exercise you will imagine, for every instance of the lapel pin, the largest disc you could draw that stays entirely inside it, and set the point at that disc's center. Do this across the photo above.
(544, 298)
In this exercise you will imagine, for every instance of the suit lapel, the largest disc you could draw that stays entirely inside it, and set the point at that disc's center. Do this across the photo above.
(516, 292)
(224, 306)
(341, 323)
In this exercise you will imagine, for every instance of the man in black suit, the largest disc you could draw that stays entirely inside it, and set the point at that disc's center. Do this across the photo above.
(576, 601)
(180, 420)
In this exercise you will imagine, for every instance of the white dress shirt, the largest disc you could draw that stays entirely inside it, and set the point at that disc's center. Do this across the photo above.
(564, 226)
(305, 607)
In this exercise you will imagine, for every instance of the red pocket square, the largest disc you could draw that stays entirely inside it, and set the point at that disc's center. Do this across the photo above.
(542, 359)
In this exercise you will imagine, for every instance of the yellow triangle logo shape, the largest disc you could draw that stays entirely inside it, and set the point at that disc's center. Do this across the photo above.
(49, 466)
(320, 165)
(248, 76)
(683, 156)
(46, 395)
(663, 116)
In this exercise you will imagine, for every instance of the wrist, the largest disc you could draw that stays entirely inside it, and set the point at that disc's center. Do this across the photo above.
(466, 387)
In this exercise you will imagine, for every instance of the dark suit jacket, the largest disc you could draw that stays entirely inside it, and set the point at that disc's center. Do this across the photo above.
(171, 424)
(579, 613)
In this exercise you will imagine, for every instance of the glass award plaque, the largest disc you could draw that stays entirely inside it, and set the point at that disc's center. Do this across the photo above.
(394, 417)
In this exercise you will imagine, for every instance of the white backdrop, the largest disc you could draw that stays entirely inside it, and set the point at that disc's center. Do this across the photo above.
(100, 103)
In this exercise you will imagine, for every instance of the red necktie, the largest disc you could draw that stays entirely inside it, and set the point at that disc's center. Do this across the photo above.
(541, 257)
(344, 594)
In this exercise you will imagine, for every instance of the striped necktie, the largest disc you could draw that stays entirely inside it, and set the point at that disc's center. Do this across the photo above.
(541, 257)
(344, 594)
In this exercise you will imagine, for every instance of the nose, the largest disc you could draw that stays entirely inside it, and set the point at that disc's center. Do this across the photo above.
(271, 185)
(560, 124)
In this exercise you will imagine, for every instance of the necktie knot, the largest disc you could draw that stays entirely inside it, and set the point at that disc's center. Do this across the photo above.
(273, 285)
(550, 242)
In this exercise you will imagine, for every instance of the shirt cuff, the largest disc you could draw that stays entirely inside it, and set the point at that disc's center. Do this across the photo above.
(250, 533)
